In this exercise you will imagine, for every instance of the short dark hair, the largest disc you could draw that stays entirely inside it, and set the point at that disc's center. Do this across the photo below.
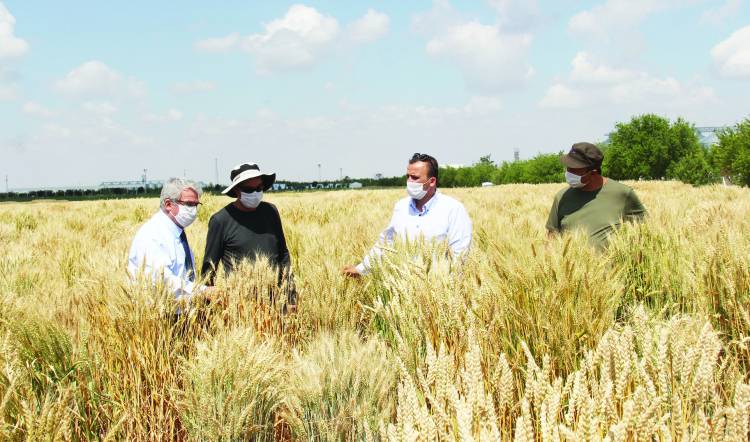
(431, 162)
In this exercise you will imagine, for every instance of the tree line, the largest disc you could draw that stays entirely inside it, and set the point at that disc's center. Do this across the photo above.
(648, 147)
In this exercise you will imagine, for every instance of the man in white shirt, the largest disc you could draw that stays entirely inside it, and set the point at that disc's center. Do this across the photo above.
(425, 213)
(160, 248)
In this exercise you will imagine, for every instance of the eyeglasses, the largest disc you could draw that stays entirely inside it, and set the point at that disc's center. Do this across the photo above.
(189, 203)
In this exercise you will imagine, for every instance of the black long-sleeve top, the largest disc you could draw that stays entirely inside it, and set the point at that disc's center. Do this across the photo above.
(234, 235)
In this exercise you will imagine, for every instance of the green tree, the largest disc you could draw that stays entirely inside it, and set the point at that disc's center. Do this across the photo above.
(647, 146)
(484, 170)
(544, 168)
(693, 168)
(509, 173)
(732, 155)
(447, 177)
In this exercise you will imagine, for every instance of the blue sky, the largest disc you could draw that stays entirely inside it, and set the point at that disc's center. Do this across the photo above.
(92, 91)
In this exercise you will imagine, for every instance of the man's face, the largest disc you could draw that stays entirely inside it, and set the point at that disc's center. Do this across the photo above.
(188, 197)
(583, 172)
(250, 185)
(418, 172)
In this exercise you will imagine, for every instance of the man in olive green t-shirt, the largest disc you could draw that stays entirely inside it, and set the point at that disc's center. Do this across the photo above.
(591, 202)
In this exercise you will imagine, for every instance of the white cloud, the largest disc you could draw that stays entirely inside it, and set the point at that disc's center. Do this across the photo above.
(94, 78)
(218, 44)
(477, 108)
(170, 116)
(56, 131)
(516, 14)
(371, 27)
(440, 17)
(717, 16)
(36, 110)
(8, 91)
(101, 108)
(732, 56)
(606, 18)
(296, 40)
(10, 45)
(190, 87)
(593, 83)
(299, 39)
(481, 105)
(490, 60)
(585, 71)
(561, 96)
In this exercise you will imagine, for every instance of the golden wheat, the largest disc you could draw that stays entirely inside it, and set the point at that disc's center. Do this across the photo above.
(529, 339)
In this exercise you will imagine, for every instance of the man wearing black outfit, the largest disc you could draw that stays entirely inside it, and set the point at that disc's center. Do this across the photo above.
(248, 228)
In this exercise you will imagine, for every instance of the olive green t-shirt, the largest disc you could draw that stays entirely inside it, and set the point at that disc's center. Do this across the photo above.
(597, 212)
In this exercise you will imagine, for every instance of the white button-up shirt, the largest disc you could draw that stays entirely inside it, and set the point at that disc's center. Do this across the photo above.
(442, 219)
(158, 250)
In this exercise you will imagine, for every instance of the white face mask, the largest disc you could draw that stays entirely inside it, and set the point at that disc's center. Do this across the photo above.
(415, 190)
(252, 199)
(574, 180)
(186, 215)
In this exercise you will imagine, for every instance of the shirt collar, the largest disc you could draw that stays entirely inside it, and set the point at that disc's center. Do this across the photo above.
(426, 208)
(168, 224)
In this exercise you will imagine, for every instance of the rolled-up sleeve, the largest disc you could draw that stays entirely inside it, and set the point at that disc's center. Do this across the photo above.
(385, 238)
(634, 209)
(459, 231)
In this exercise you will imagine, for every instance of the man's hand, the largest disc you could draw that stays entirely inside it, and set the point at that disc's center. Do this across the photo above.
(214, 297)
(351, 271)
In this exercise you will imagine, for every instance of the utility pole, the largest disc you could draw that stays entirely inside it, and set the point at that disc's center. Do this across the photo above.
(7, 189)
(216, 170)
(516, 154)
(341, 173)
(320, 173)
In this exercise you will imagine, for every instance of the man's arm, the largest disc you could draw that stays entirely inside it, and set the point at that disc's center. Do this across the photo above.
(553, 221)
(214, 250)
(150, 258)
(385, 238)
(284, 262)
(634, 209)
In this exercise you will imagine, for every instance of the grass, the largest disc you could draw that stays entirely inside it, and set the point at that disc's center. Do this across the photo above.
(531, 339)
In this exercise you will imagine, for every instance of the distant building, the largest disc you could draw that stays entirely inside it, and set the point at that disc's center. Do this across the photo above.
(355, 185)
(133, 184)
(487, 184)
(279, 186)
(708, 136)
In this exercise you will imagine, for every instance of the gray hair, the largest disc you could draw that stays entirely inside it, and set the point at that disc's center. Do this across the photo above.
(173, 187)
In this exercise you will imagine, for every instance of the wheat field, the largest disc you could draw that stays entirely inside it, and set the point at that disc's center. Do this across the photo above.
(530, 339)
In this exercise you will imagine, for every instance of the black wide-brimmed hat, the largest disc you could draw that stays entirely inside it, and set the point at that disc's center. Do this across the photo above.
(245, 171)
